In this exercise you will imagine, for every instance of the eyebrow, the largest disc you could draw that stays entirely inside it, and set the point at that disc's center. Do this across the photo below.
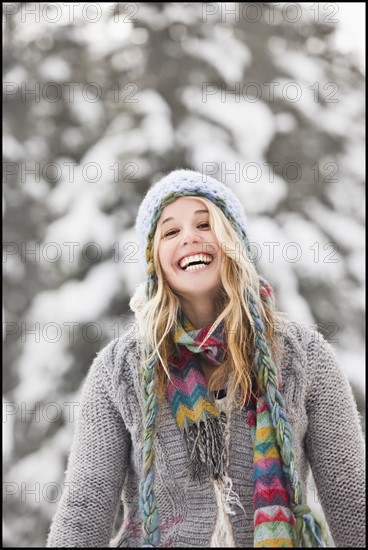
(196, 212)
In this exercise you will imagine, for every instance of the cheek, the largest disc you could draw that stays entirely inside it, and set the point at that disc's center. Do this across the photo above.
(213, 240)
(165, 256)
(215, 244)
(161, 259)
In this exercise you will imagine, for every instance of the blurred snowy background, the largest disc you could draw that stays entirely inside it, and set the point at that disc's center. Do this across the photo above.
(102, 99)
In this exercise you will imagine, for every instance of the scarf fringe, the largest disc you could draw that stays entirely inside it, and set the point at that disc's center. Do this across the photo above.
(223, 536)
(231, 497)
(206, 449)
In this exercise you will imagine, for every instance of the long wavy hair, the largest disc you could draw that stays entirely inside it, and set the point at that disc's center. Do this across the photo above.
(238, 274)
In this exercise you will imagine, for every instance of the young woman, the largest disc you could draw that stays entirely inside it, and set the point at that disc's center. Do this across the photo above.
(207, 422)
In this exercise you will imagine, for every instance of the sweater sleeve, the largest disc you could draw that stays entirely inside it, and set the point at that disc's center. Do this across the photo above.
(335, 446)
(96, 467)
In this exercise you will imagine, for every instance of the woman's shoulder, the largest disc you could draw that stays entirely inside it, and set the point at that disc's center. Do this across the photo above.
(119, 358)
(306, 352)
(116, 348)
(299, 335)
(297, 331)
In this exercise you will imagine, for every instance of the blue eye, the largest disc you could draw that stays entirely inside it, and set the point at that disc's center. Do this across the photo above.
(174, 230)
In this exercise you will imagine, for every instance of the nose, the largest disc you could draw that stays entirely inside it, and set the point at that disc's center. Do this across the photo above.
(189, 235)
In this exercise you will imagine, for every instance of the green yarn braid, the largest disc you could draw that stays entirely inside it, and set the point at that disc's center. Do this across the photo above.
(147, 500)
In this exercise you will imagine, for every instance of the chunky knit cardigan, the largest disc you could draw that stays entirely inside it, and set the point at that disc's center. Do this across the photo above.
(105, 460)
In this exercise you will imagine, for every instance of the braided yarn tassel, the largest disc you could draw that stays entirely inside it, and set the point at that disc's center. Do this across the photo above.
(147, 500)
(310, 531)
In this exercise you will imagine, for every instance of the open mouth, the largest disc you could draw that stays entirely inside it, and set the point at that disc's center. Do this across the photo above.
(199, 265)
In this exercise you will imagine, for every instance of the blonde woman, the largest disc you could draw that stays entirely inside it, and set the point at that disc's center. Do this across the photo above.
(207, 423)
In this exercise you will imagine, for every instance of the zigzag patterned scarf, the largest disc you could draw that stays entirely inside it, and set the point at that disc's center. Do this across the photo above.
(198, 418)
(193, 407)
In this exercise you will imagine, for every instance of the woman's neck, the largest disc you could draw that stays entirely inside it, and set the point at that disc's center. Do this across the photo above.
(208, 372)
(201, 313)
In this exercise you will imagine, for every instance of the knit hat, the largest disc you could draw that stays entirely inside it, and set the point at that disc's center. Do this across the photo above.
(306, 527)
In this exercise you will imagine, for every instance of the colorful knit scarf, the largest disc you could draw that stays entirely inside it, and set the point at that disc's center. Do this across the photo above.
(193, 407)
(278, 522)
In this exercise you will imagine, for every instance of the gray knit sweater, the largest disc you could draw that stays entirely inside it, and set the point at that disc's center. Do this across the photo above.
(105, 460)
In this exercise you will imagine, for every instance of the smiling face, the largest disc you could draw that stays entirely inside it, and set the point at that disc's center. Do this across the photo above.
(184, 231)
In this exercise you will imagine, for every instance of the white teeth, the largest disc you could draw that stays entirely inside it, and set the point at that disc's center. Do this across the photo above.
(196, 267)
(195, 258)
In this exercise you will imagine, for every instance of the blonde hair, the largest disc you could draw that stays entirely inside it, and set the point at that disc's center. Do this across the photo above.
(238, 275)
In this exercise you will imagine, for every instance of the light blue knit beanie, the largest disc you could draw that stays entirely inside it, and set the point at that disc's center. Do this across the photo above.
(179, 183)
